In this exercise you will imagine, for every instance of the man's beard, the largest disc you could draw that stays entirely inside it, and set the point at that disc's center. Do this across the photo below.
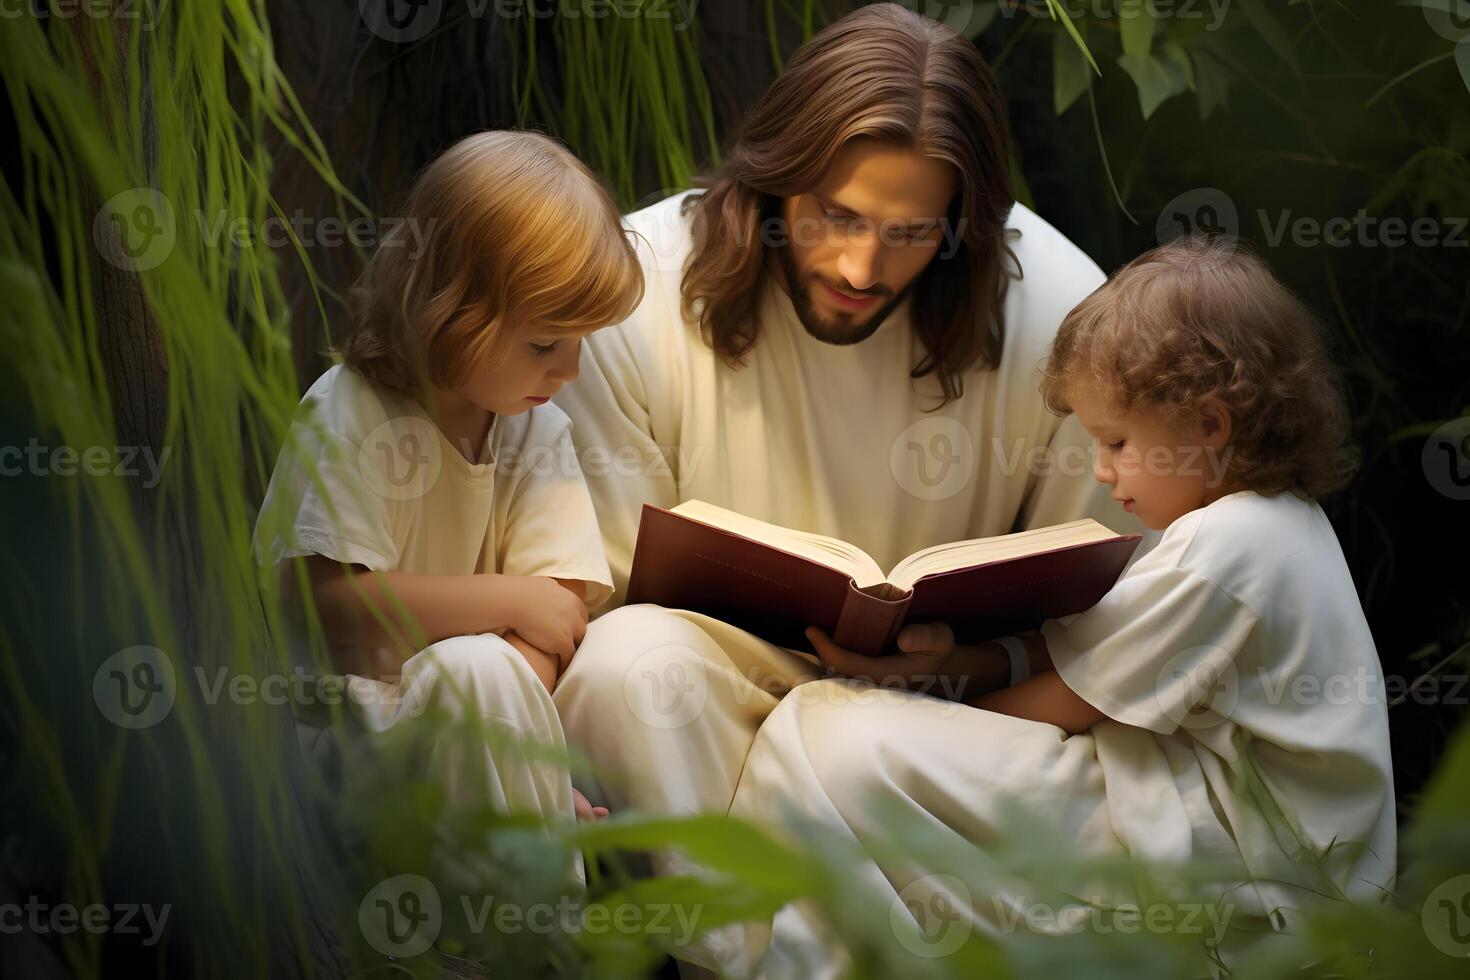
(839, 332)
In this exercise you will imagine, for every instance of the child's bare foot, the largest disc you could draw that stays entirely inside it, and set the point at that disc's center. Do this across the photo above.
(585, 810)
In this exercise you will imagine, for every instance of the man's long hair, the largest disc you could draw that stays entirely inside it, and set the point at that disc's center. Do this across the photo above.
(888, 73)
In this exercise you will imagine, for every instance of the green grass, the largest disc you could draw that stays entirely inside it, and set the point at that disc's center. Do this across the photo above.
(209, 810)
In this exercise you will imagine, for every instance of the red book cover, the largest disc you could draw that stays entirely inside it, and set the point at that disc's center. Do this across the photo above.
(683, 563)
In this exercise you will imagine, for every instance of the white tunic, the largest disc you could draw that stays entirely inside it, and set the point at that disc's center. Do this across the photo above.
(833, 439)
(692, 715)
(1254, 726)
(366, 477)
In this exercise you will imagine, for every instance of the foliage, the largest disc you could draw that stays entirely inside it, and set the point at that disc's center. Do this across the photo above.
(133, 129)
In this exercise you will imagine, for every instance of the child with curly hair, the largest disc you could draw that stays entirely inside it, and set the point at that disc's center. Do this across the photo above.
(1223, 702)
(1229, 678)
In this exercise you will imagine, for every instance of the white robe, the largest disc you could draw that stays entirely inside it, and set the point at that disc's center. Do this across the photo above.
(1253, 714)
(688, 714)
(838, 440)
(1247, 728)
(365, 477)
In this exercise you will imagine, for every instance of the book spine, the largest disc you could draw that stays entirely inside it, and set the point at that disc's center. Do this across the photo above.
(869, 624)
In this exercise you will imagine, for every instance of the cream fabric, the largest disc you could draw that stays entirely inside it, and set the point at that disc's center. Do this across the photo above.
(366, 477)
(1247, 726)
(1238, 659)
(838, 440)
(683, 713)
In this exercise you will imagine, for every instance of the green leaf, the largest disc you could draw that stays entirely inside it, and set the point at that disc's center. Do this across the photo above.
(1136, 25)
(1157, 79)
(1447, 796)
(715, 842)
(1058, 13)
(1211, 82)
(1176, 60)
(1271, 30)
(1069, 75)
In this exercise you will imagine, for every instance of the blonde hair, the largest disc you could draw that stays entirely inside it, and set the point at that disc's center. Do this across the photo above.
(1203, 318)
(501, 230)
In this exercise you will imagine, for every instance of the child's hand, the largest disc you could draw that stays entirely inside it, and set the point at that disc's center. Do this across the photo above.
(547, 615)
(546, 666)
(585, 810)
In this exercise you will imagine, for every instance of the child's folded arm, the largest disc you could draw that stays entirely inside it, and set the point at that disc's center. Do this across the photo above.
(577, 586)
(405, 611)
(1044, 696)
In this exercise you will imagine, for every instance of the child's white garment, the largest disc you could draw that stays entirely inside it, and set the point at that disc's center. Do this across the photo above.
(366, 477)
(1250, 728)
(1238, 660)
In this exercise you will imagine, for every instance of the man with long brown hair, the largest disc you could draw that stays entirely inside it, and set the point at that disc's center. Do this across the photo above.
(837, 336)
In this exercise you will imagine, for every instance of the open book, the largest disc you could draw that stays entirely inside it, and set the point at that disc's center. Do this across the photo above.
(775, 582)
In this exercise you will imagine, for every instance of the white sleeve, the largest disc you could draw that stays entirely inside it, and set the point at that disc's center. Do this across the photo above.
(320, 500)
(625, 460)
(1155, 652)
(551, 527)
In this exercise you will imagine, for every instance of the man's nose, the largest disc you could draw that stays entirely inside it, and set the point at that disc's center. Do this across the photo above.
(859, 264)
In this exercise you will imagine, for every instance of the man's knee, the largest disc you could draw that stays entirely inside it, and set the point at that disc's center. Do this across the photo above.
(839, 726)
(630, 637)
(641, 661)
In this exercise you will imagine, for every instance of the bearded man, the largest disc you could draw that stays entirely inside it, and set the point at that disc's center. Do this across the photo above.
(841, 333)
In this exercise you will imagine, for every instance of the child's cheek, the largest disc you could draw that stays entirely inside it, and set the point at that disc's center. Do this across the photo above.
(1127, 463)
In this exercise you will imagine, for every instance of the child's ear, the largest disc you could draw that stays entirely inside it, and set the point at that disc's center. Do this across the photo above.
(1215, 420)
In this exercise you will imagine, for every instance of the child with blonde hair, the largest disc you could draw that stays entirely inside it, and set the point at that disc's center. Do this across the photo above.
(428, 496)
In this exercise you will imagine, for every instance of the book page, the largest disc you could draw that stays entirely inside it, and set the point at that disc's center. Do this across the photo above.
(979, 551)
(831, 552)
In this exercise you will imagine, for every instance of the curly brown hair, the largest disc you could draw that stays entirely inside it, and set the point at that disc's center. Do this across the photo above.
(1204, 317)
